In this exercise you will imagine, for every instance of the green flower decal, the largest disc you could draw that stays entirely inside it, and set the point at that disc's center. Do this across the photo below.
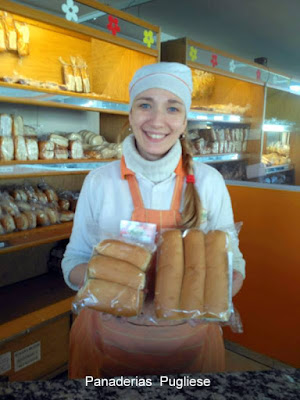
(148, 38)
(193, 53)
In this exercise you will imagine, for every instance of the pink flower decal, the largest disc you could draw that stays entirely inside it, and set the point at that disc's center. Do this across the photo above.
(258, 74)
(113, 25)
(214, 60)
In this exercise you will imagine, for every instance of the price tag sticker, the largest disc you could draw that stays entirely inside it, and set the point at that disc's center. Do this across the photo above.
(138, 231)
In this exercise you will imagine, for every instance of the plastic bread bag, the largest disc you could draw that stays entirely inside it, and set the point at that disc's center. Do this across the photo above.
(68, 76)
(2, 35)
(22, 30)
(115, 279)
(194, 276)
(77, 75)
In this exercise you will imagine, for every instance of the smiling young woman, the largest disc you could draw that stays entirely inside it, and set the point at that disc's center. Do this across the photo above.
(155, 182)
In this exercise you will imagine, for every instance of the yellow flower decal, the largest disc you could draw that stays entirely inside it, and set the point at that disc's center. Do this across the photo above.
(148, 38)
(193, 53)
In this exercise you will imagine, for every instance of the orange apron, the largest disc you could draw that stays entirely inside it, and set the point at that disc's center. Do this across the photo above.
(103, 345)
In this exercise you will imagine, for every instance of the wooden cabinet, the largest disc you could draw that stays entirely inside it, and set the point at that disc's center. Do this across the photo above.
(36, 320)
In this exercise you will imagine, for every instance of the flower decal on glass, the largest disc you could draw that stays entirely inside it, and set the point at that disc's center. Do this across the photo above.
(258, 74)
(214, 60)
(193, 53)
(148, 38)
(113, 25)
(71, 10)
(232, 66)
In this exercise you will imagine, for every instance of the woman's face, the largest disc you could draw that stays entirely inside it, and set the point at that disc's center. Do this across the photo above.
(157, 118)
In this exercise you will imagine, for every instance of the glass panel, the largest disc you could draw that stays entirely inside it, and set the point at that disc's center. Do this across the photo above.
(94, 18)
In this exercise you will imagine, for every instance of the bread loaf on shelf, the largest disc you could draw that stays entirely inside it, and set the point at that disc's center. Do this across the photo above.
(5, 125)
(66, 216)
(46, 150)
(21, 222)
(114, 270)
(133, 254)
(18, 125)
(20, 148)
(7, 149)
(111, 297)
(169, 274)
(8, 223)
(76, 149)
(32, 148)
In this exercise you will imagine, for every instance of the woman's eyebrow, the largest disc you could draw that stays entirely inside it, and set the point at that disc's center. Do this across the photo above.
(144, 98)
(171, 101)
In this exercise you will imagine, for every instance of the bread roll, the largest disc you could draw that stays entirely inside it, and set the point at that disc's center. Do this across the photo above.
(133, 254)
(31, 218)
(192, 292)
(169, 275)
(10, 207)
(66, 216)
(217, 280)
(42, 198)
(8, 223)
(113, 270)
(42, 218)
(64, 204)
(52, 215)
(111, 297)
(7, 148)
(23, 206)
(76, 149)
(51, 195)
(21, 222)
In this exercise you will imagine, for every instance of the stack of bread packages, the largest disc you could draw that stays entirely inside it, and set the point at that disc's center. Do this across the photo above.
(115, 279)
(193, 277)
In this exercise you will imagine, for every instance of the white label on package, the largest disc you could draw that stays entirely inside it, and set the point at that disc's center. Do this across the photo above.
(139, 231)
(27, 356)
(5, 362)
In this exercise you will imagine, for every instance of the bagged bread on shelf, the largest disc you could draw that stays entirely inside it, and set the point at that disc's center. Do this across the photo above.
(75, 136)
(21, 221)
(20, 148)
(76, 149)
(46, 150)
(49, 192)
(68, 75)
(5, 125)
(2, 35)
(29, 131)
(60, 152)
(17, 125)
(8, 223)
(10, 32)
(66, 215)
(84, 75)
(77, 75)
(32, 148)
(115, 278)
(22, 30)
(7, 149)
(194, 276)
(59, 140)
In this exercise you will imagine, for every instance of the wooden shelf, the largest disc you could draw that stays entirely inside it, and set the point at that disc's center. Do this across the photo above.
(55, 161)
(21, 240)
(33, 302)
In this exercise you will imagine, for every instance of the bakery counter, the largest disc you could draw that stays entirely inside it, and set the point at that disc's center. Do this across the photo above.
(271, 384)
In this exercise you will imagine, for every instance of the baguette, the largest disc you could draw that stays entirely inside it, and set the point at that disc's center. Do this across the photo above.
(217, 279)
(170, 269)
(111, 297)
(113, 270)
(133, 254)
(192, 292)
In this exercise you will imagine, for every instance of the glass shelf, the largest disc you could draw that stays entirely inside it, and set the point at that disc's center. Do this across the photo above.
(214, 158)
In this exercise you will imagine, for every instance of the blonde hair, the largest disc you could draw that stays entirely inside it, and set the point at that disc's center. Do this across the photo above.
(191, 214)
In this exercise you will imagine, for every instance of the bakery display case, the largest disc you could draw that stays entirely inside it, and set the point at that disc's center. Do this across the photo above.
(63, 111)
(227, 107)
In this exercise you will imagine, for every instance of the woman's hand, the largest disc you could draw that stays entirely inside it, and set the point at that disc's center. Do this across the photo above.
(237, 282)
(77, 274)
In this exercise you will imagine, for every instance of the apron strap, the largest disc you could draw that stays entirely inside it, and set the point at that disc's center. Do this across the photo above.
(135, 192)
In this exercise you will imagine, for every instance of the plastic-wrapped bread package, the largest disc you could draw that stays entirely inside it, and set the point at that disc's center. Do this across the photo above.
(46, 150)
(49, 192)
(11, 33)
(22, 30)
(76, 149)
(77, 75)
(68, 76)
(5, 125)
(194, 276)
(32, 148)
(115, 281)
(61, 153)
(20, 148)
(84, 75)
(17, 125)
(2, 35)
(7, 149)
